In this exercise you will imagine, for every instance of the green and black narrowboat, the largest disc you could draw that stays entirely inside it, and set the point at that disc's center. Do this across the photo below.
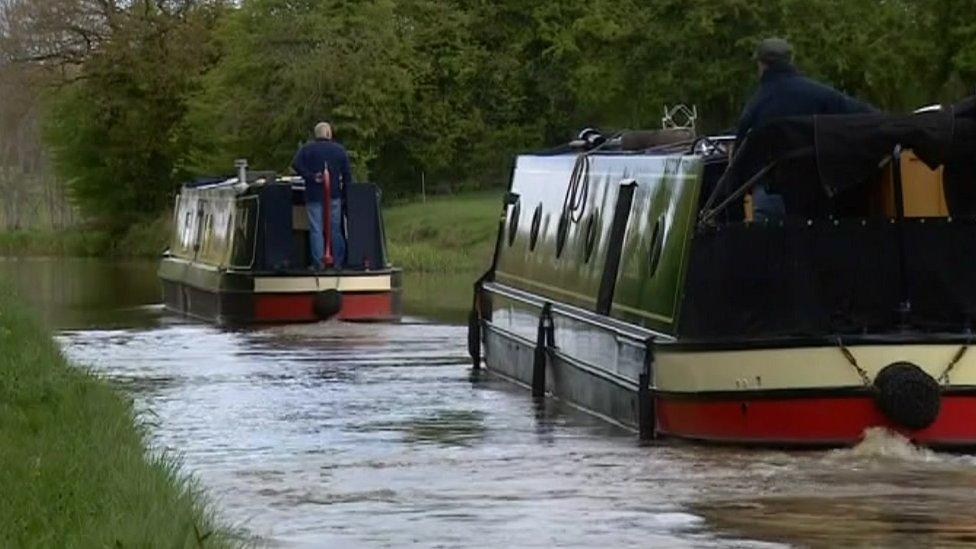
(239, 254)
(630, 279)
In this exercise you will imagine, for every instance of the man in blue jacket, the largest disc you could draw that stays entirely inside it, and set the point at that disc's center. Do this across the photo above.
(783, 91)
(311, 162)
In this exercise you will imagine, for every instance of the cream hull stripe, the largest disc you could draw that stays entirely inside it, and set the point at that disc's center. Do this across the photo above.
(799, 368)
(321, 283)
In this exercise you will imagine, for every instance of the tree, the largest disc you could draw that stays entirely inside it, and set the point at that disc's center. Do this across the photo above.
(145, 93)
(287, 65)
(115, 131)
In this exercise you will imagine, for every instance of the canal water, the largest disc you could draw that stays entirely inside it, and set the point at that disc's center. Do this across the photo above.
(348, 435)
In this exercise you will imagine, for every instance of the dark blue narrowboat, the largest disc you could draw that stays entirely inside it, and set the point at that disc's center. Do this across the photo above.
(239, 254)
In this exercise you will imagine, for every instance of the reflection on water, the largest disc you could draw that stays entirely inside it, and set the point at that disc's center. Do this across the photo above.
(443, 297)
(338, 434)
(75, 293)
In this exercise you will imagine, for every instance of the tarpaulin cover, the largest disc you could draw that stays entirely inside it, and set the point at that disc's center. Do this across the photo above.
(826, 278)
(365, 246)
(827, 155)
(274, 228)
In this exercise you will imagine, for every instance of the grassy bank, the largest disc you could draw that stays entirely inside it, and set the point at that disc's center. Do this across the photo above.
(74, 470)
(444, 234)
(147, 239)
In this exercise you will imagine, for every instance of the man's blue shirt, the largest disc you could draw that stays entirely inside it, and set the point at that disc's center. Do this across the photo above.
(785, 92)
(312, 158)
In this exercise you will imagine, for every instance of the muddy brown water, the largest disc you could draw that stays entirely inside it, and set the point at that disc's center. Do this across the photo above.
(336, 435)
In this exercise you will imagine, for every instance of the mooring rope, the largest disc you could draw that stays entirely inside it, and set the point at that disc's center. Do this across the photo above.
(944, 378)
(853, 361)
(574, 203)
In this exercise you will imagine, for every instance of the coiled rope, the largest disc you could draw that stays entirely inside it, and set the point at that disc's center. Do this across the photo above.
(574, 202)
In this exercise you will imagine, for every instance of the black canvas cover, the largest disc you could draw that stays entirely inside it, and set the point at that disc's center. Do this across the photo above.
(365, 247)
(825, 278)
(825, 156)
(817, 276)
(274, 228)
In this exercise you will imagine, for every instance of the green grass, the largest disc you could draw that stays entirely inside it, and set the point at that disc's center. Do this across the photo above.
(146, 239)
(76, 242)
(445, 234)
(74, 469)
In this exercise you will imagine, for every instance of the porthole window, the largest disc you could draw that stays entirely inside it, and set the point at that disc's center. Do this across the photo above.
(657, 245)
(513, 219)
(589, 240)
(534, 230)
(561, 231)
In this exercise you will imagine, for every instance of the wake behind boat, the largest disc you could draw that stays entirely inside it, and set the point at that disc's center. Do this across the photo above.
(239, 252)
(629, 279)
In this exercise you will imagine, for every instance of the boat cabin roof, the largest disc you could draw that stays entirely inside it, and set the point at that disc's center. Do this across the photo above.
(253, 179)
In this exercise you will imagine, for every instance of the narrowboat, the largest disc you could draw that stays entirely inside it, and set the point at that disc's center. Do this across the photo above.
(630, 279)
(239, 254)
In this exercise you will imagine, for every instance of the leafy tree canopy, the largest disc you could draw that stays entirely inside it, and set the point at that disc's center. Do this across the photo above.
(149, 92)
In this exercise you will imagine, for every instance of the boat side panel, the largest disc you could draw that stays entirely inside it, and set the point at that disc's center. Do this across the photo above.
(513, 357)
(204, 222)
(577, 340)
(647, 291)
(656, 245)
(568, 274)
(217, 230)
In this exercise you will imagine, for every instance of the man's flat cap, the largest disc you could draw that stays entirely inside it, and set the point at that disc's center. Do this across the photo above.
(774, 50)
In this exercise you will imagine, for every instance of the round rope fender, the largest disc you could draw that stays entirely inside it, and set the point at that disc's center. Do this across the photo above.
(907, 395)
(327, 304)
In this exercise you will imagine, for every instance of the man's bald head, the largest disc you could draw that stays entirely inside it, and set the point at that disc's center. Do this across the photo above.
(323, 130)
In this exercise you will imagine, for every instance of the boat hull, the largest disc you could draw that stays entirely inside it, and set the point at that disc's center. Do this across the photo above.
(816, 419)
(244, 297)
(803, 394)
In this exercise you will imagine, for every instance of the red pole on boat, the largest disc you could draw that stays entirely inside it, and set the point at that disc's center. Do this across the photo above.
(326, 211)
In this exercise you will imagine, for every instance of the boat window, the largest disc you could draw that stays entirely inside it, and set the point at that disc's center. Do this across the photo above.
(534, 231)
(657, 245)
(561, 231)
(589, 242)
(513, 219)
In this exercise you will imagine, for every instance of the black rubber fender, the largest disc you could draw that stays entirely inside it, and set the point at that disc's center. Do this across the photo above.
(327, 304)
(907, 395)
(474, 338)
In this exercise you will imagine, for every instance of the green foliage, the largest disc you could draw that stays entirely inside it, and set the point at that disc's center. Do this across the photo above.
(146, 238)
(115, 130)
(73, 464)
(80, 242)
(289, 64)
(448, 91)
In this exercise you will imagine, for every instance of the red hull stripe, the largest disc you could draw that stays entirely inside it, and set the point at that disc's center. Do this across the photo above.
(299, 307)
(283, 307)
(371, 306)
(808, 420)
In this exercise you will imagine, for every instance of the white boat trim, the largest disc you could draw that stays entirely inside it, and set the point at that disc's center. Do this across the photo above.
(302, 284)
(800, 367)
